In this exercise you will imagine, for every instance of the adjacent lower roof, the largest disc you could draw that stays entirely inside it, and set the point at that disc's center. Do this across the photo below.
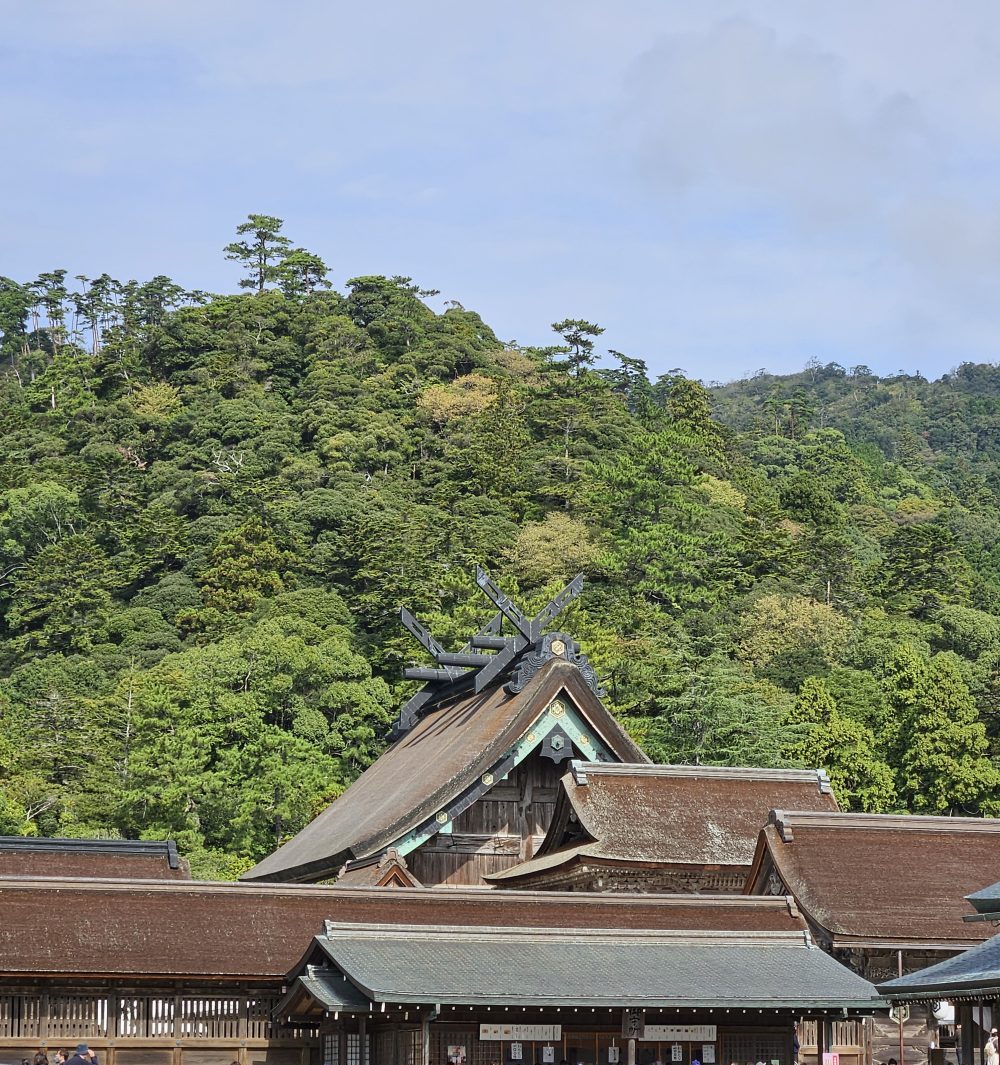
(667, 815)
(986, 902)
(439, 758)
(975, 973)
(878, 879)
(40, 856)
(553, 967)
(987, 899)
(207, 931)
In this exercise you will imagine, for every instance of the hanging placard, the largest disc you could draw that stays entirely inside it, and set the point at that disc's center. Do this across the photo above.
(708, 1053)
(548, 1054)
(633, 1024)
(613, 1057)
(515, 1052)
(520, 1032)
(680, 1033)
(677, 1052)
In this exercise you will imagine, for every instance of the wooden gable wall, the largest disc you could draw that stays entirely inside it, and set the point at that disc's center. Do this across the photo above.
(503, 827)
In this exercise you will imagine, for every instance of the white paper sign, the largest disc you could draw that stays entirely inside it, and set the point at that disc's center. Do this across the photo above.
(613, 1058)
(548, 1054)
(521, 1032)
(677, 1052)
(515, 1051)
(708, 1053)
(680, 1033)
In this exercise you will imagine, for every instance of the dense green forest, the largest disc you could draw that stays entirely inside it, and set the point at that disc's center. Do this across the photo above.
(212, 507)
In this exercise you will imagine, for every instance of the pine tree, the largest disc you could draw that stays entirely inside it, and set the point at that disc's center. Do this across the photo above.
(944, 767)
(261, 254)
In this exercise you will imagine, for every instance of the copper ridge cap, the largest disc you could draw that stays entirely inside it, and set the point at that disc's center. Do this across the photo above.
(787, 820)
(497, 896)
(581, 770)
(461, 933)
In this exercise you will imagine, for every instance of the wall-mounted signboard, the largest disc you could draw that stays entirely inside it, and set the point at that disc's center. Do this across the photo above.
(520, 1032)
(680, 1033)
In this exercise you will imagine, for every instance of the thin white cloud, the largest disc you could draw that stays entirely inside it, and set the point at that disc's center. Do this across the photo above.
(770, 124)
(723, 184)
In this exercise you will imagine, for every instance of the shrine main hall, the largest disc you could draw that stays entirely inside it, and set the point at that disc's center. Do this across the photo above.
(511, 883)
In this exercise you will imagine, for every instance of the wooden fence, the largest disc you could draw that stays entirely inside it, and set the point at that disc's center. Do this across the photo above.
(160, 1027)
(850, 1039)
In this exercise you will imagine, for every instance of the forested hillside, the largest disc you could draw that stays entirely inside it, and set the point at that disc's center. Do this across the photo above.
(211, 508)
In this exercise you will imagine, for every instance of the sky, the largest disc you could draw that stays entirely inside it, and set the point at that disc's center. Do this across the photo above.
(724, 187)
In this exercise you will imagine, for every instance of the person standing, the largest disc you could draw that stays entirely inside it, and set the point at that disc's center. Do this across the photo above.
(991, 1052)
(83, 1056)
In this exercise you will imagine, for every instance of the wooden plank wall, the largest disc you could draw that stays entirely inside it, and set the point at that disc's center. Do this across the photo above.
(499, 830)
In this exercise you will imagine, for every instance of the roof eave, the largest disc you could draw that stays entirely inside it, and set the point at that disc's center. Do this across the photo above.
(841, 939)
(299, 874)
(933, 992)
(803, 1004)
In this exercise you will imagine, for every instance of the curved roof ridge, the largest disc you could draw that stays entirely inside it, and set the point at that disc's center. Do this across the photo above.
(883, 822)
(583, 769)
(382, 932)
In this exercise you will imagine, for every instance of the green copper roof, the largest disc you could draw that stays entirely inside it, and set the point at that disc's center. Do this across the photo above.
(972, 974)
(985, 901)
(552, 967)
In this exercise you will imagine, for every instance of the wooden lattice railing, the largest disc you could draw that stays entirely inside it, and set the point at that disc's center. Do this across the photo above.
(67, 1016)
(845, 1034)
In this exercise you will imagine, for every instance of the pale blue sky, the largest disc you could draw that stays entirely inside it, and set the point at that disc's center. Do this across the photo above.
(723, 186)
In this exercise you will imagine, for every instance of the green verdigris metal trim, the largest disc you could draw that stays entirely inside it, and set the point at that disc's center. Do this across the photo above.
(558, 714)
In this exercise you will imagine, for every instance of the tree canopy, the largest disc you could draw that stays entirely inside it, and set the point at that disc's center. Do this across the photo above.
(211, 508)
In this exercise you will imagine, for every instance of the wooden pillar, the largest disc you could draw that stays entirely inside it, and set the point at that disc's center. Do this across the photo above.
(966, 1040)
(902, 1044)
(631, 1052)
(821, 1043)
(177, 1028)
(981, 1040)
(111, 1053)
(362, 1040)
(425, 1031)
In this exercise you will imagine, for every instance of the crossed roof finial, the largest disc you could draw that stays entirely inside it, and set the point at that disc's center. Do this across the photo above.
(491, 653)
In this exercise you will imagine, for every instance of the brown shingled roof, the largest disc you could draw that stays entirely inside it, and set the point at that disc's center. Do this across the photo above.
(206, 930)
(441, 756)
(131, 859)
(878, 879)
(668, 815)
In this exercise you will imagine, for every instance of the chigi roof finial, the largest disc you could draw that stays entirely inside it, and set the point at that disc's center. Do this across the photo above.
(509, 645)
